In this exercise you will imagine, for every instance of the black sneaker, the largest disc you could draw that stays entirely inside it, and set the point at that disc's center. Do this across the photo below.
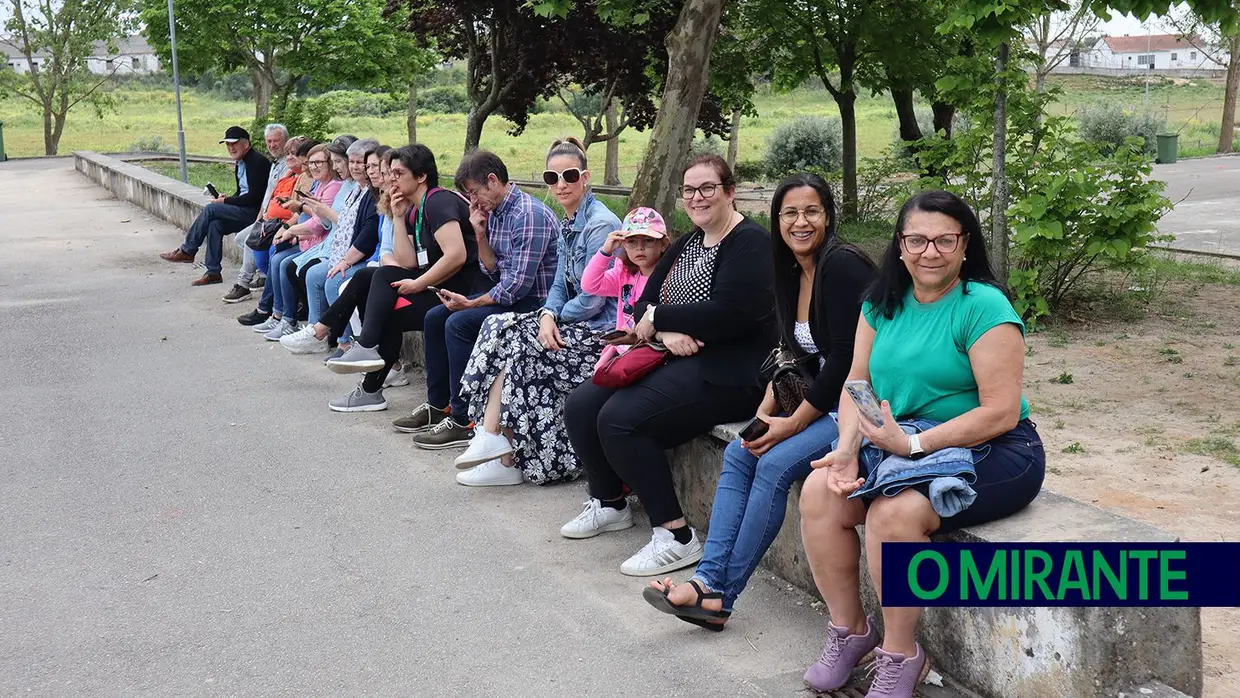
(256, 284)
(446, 434)
(254, 317)
(422, 419)
(237, 294)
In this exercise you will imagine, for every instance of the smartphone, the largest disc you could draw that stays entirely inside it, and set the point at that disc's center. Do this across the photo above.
(432, 289)
(867, 402)
(301, 193)
(282, 199)
(212, 191)
(614, 334)
(754, 429)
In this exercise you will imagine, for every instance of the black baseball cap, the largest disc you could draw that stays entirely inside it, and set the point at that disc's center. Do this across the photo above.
(234, 134)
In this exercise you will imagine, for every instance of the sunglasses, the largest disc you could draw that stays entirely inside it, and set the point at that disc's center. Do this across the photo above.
(571, 176)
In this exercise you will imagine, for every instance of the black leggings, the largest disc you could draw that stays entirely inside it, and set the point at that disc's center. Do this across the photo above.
(298, 279)
(621, 435)
(370, 293)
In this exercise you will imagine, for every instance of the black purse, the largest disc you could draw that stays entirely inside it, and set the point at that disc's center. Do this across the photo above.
(790, 381)
(262, 241)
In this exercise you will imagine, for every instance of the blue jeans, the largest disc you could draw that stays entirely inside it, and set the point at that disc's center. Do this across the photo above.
(316, 296)
(283, 293)
(750, 503)
(210, 227)
(331, 287)
(449, 340)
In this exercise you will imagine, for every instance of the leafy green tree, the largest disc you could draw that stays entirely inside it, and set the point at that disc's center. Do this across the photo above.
(280, 43)
(56, 37)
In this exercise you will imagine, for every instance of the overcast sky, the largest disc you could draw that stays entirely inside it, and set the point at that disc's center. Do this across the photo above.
(1120, 25)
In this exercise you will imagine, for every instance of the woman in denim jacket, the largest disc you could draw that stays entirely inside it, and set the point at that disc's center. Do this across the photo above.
(939, 341)
(524, 366)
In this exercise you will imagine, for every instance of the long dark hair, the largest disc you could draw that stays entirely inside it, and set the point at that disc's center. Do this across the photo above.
(893, 282)
(787, 270)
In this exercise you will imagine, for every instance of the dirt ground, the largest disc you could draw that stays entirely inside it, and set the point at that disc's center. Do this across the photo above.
(1142, 418)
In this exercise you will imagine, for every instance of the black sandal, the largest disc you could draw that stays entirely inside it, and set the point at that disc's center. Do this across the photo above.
(693, 614)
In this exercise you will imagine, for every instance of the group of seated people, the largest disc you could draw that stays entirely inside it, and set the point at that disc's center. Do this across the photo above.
(561, 345)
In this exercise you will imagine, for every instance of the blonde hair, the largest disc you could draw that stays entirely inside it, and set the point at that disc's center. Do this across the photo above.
(294, 144)
(570, 146)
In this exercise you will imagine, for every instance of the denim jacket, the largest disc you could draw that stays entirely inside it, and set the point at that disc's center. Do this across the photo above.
(587, 232)
(949, 473)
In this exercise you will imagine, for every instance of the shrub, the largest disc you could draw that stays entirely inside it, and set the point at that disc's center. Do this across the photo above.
(447, 99)
(150, 144)
(750, 171)
(302, 118)
(925, 122)
(1108, 125)
(806, 143)
(710, 145)
(358, 103)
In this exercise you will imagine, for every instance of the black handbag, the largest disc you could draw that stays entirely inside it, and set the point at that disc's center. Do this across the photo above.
(790, 382)
(267, 233)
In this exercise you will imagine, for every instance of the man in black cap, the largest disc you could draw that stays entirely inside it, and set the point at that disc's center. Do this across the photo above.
(226, 214)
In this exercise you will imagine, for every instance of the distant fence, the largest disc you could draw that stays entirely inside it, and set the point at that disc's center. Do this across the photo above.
(1139, 72)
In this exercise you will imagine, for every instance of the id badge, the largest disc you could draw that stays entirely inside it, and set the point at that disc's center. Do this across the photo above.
(423, 258)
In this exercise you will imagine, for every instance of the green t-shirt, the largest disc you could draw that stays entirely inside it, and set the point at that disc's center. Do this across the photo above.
(920, 361)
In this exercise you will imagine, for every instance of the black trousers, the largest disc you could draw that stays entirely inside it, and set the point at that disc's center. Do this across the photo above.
(621, 435)
(370, 293)
(298, 279)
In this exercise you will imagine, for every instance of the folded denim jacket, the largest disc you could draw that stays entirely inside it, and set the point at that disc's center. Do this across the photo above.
(948, 471)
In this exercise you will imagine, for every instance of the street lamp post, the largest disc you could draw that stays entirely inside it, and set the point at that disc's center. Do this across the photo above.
(176, 82)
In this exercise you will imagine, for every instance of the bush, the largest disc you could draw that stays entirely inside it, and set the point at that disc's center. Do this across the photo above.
(357, 103)
(807, 143)
(150, 144)
(302, 118)
(1108, 125)
(925, 122)
(447, 99)
(710, 145)
(750, 171)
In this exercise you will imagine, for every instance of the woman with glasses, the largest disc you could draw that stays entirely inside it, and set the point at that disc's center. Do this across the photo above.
(942, 347)
(819, 283)
(523, 366)
(711, 303)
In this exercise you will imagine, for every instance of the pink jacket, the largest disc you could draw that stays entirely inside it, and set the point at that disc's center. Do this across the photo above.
(324, 194)
(606, 276)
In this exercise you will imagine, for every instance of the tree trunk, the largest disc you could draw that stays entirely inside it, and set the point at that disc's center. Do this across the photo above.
(1039, 81)
(910, 130)
(58, 128)
(263, 88)
(611, 169)
(847, 101)
(999, 202)
(49, 140)
(1227, 130)
(473, 128)
(411, 112)
(944, 114)
(734, 139)
(689, 46)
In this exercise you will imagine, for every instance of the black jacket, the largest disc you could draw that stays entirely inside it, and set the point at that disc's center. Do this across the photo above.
(840, 282)
(257, 169)
(737, 324)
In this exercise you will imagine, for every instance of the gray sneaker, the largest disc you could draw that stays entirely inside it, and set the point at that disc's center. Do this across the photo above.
(446, 434)
(843, 653)
(358, 359)
(267, 325)
(421, 419)
(359, 401)
(896, 676)
(336, 354)
(285, 327)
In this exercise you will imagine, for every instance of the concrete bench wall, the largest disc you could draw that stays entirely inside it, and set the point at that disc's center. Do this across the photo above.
(995, 651)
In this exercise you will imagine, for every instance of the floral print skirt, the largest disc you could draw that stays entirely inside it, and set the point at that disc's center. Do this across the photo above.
(536, 384)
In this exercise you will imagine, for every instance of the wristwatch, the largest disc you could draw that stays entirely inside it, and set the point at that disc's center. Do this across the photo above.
(915, 450)
(548, 311)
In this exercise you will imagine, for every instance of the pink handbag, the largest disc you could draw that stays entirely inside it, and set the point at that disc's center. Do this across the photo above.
(633, 365)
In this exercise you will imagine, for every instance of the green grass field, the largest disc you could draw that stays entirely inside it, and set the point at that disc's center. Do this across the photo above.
(1191, 109)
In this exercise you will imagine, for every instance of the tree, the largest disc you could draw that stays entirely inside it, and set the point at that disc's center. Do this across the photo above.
(279, 43)
(56, 37)
(1054, 36)
(1223, 47)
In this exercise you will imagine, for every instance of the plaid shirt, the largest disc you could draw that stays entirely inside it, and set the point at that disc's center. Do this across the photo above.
(523, 233)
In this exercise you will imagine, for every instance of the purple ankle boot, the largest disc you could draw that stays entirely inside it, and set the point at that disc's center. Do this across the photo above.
(842, 654)
(896, 676)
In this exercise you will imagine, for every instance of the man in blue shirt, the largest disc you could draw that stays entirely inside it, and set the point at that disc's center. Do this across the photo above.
(226, 214)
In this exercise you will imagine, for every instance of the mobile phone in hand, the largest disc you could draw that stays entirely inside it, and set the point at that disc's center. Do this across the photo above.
(432, 289)
(614, 334)
(867, 402)
(754, 429)
(212, 191)
(301, 193)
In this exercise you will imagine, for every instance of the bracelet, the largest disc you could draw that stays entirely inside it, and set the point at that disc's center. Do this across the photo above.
(605, 254)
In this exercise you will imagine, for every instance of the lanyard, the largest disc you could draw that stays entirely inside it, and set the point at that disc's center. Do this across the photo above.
(417, 223)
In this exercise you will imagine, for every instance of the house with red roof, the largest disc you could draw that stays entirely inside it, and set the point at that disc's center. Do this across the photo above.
(1154, 52)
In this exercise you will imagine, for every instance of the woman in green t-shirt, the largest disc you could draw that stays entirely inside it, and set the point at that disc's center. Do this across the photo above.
(940, 343)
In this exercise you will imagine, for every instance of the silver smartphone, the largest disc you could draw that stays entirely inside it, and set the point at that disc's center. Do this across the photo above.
(866, 401)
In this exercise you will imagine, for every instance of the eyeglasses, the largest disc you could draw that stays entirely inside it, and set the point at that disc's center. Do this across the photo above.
(571, 176)
(706, 190)
(317, 162)
(813, 215)
(917, 243)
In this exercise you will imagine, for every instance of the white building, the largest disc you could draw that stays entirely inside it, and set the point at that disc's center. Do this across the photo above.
(133, 55)
(1151, 52)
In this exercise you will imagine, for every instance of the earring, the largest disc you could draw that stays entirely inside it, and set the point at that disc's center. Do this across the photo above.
(901, 257)
(965, 259)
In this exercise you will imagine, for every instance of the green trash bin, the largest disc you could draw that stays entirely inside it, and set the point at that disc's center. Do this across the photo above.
(1168, 147)
(3, 157)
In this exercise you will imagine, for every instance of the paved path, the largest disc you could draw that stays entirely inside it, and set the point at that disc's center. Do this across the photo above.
(181, 514)
(1206, 194)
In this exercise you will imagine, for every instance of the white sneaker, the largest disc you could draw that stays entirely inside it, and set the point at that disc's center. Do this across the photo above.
(483, 447)
(396, 379)
(490, 474)
(285, 328)
(266, 325)
(663, 554)
(303, 341)
(595, 519)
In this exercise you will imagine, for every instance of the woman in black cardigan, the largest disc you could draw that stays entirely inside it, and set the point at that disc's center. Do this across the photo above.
(819, 283)
(710, 301)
